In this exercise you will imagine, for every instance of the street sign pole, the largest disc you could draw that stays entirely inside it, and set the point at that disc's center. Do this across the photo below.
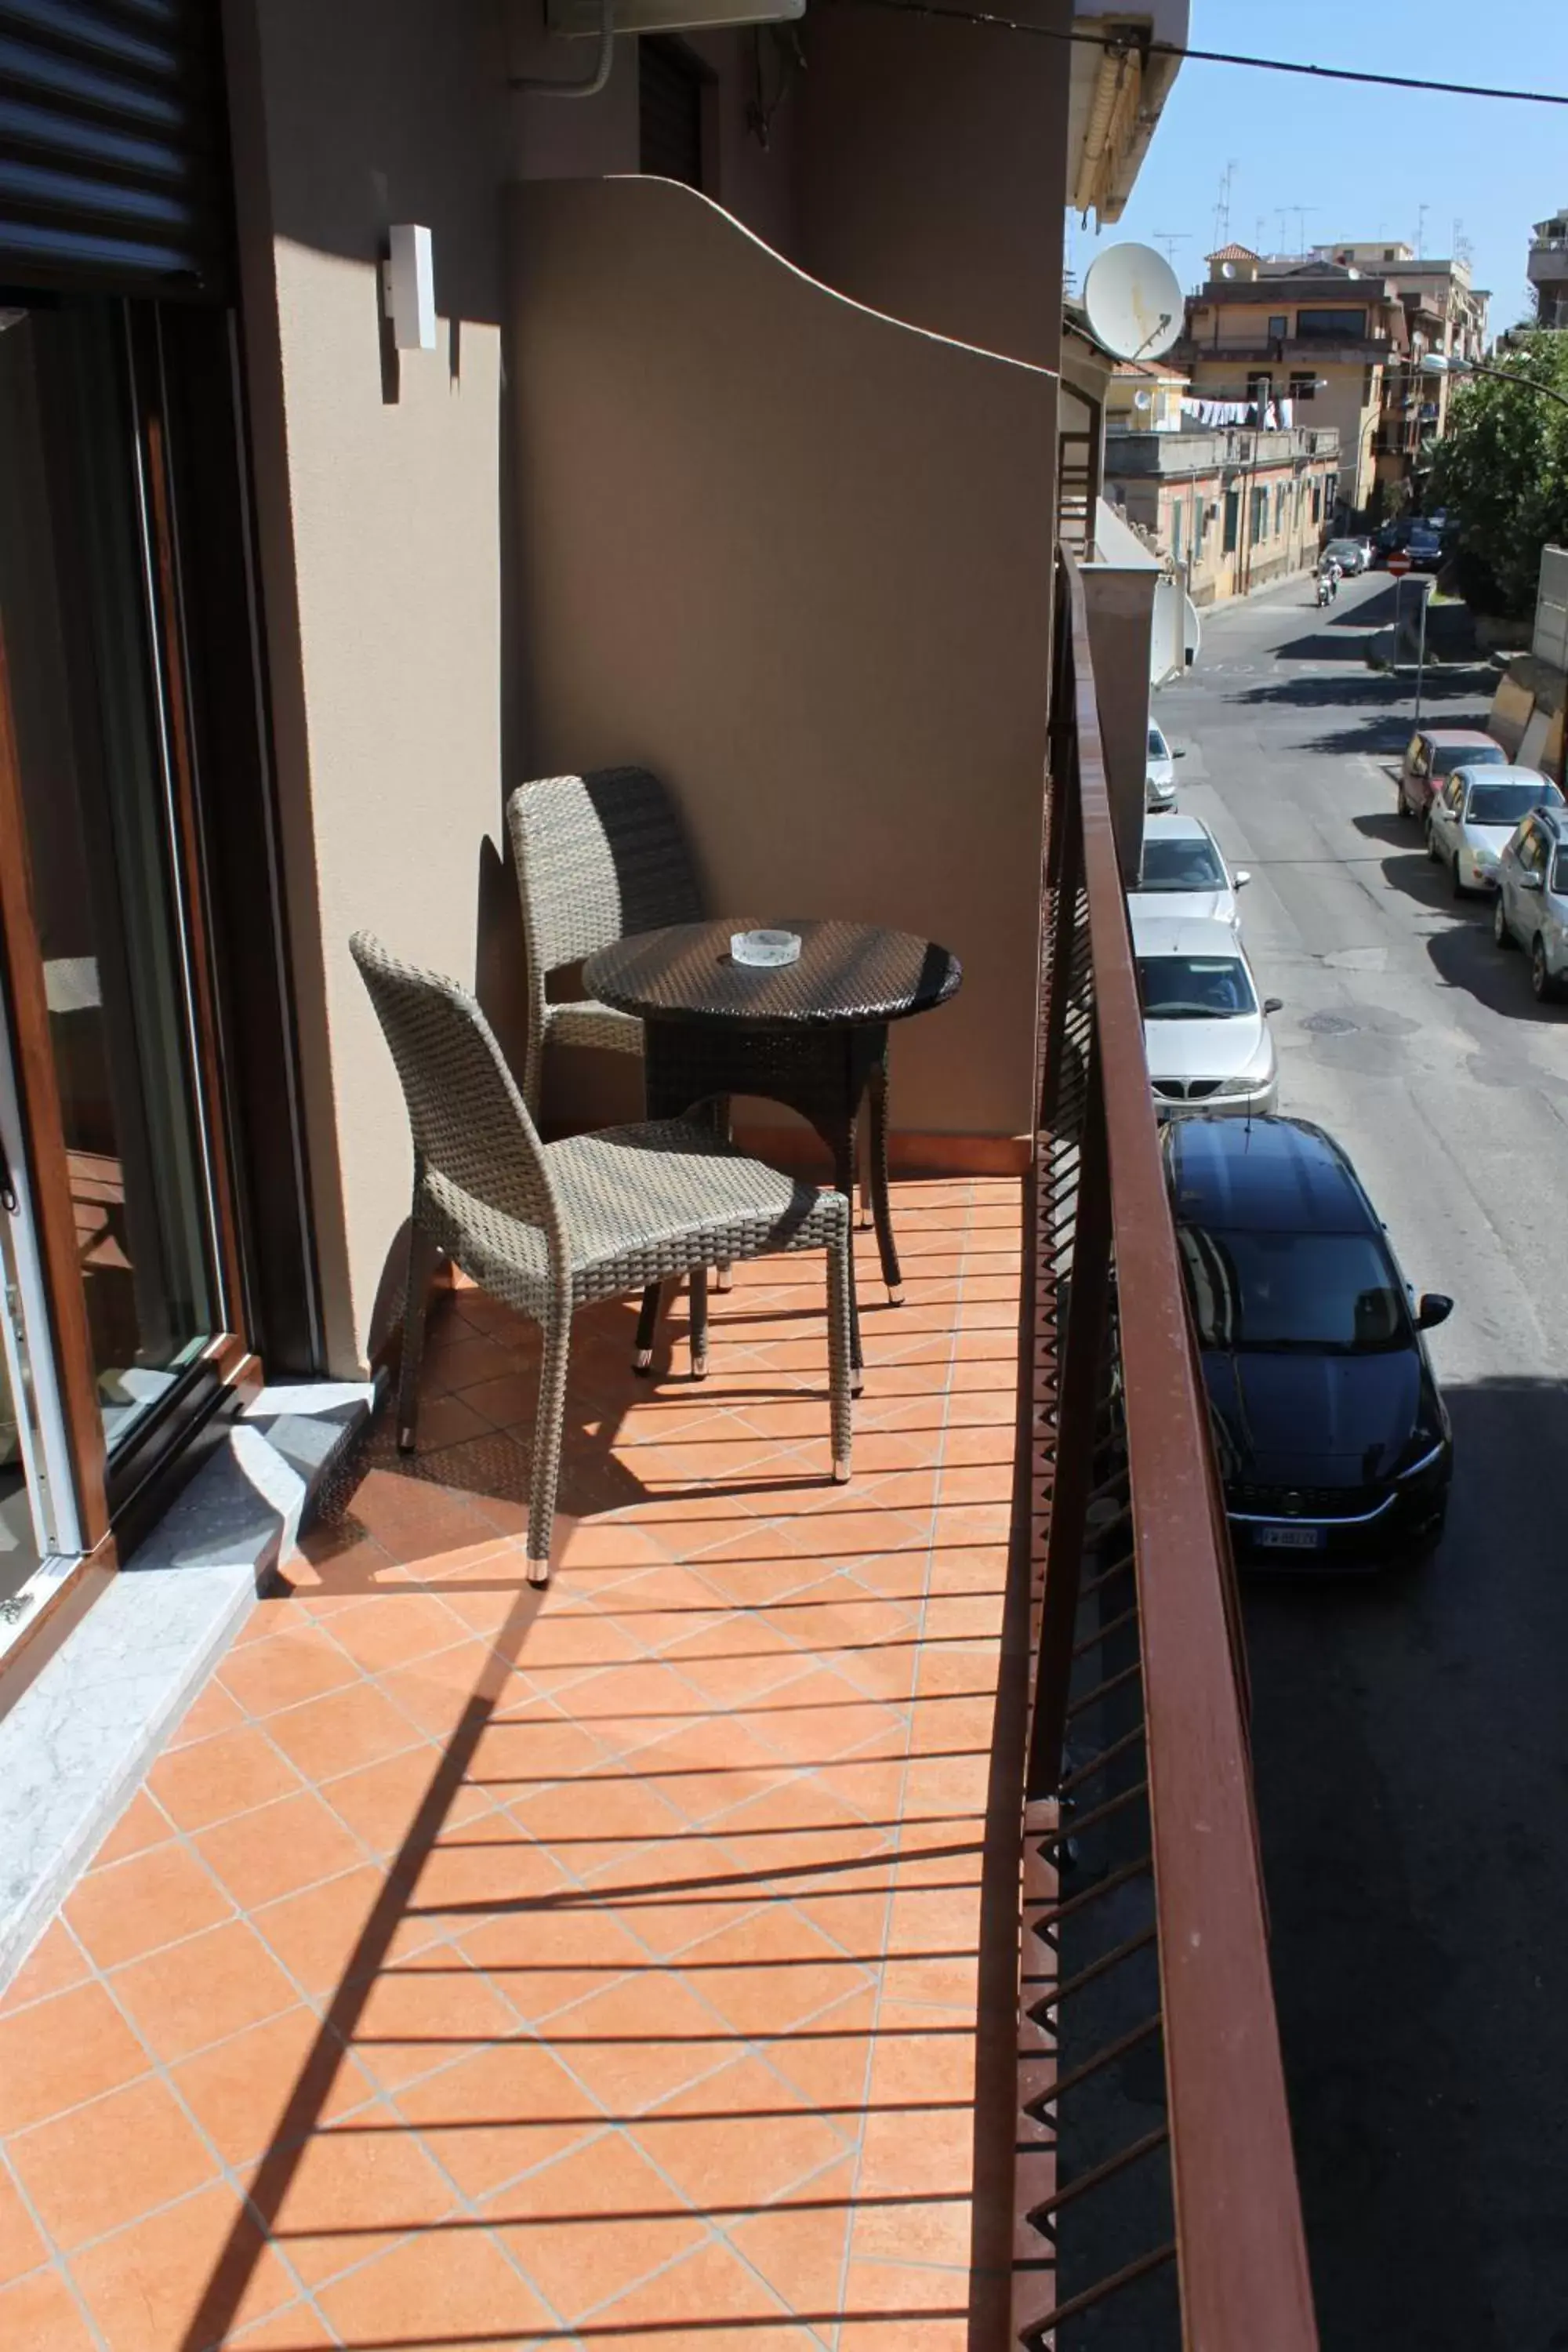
(1399, 564)
(1426, 589)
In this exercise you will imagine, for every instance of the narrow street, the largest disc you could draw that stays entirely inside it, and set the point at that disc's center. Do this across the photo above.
(1410, 1731)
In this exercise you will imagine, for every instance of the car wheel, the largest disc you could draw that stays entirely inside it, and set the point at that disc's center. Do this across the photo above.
(1545, 986)
(1500, 932)
(1432, 850)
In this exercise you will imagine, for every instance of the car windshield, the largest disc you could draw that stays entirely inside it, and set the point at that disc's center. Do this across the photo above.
(1331, 1293)
(1506, 803)
(1446, 757)
(1560, 874)
(1192, 863)
(1194, 988)
(1157, 749)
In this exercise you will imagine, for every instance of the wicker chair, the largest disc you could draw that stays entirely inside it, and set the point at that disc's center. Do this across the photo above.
(597, 856)
(548, 1228)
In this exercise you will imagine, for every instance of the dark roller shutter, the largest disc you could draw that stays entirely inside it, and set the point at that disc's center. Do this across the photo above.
(670, 112)
(111, 139)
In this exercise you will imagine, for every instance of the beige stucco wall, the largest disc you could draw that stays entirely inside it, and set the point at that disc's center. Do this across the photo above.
(795, 557)
(379, 522)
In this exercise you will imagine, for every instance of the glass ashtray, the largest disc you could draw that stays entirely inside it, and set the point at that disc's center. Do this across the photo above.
(764, 947)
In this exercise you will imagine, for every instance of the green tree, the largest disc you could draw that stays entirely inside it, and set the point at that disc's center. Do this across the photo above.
(1501, 470)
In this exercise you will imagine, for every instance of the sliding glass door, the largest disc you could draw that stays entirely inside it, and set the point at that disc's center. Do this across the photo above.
(108, 1011)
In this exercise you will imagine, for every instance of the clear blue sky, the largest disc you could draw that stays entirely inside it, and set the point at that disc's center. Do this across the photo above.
(1364, 161)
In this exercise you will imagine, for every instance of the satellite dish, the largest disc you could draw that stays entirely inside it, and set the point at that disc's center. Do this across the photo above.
(1142, 400)
(1133, 301)
(1227, 269)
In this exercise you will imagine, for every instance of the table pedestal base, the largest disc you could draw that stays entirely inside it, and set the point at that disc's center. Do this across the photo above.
(825, 1075)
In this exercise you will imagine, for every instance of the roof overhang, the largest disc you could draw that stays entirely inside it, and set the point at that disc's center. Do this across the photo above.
(1116, 97)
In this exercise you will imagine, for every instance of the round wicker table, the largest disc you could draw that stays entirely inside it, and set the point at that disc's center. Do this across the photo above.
(812, 1034)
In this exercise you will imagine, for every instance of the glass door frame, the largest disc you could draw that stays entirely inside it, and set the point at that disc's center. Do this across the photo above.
(103, 1505)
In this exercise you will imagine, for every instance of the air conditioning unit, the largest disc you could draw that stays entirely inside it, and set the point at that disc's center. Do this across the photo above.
(579, 20)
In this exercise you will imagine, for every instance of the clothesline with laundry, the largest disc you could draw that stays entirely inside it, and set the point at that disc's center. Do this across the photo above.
(1267, 417)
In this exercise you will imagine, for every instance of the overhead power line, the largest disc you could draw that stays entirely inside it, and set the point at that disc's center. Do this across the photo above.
(1129, 43)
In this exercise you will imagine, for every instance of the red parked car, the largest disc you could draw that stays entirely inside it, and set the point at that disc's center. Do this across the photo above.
(1431, 756)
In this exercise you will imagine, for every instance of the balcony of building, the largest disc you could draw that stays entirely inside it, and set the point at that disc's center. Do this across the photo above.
(641, 1961)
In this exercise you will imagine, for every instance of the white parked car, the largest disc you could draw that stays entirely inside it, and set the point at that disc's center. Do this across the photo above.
(1184, 873)
(1205, 1033)
(1531, 910)
(1471, 820)
(1160, 776)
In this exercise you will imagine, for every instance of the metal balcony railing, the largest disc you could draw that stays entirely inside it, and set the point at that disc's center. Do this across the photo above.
(1156, 2194)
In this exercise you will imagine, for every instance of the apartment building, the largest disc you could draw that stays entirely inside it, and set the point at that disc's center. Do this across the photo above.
(1548, 269)
(1444, 312)
(1326, 335)
(1234, 508)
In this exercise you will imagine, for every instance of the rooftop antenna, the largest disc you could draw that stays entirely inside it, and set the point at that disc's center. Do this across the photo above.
(1222, 210)
(1421, 213)
(1170, 239)
(1300, 212)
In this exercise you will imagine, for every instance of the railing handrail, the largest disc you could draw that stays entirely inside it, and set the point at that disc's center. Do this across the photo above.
(1240, 2245)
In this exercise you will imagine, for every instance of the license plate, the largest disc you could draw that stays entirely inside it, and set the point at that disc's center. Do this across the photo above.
(1290, 1539)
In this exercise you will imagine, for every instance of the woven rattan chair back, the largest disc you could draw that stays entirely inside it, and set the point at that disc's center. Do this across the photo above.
(597, 856)
(469, 1123)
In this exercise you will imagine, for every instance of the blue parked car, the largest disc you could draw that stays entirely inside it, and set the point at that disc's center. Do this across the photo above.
(1334, 1443)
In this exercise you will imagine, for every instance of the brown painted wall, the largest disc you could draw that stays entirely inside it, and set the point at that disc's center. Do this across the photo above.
(591, 138)
(797, 558)
(932, 172)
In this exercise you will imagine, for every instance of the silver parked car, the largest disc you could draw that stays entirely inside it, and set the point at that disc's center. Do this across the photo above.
(1160, 775)
(1204, 1032)
(1184, 873)
(1531, 910)
(1352, 555)
(1471, 819)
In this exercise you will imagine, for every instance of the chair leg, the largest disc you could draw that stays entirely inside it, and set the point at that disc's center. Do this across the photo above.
(840, 1372)
(422, 1256)
(723, 1128)
(545, 1472)
(697, 1279)
(882, 1204)
(647, 1329)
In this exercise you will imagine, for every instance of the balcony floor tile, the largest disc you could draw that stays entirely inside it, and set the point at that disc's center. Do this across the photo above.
(595, 1965)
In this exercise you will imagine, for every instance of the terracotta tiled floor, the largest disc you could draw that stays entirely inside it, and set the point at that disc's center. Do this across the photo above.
(475, 1970)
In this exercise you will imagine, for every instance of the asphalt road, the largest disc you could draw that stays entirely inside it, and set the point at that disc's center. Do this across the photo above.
(1411, 1732)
